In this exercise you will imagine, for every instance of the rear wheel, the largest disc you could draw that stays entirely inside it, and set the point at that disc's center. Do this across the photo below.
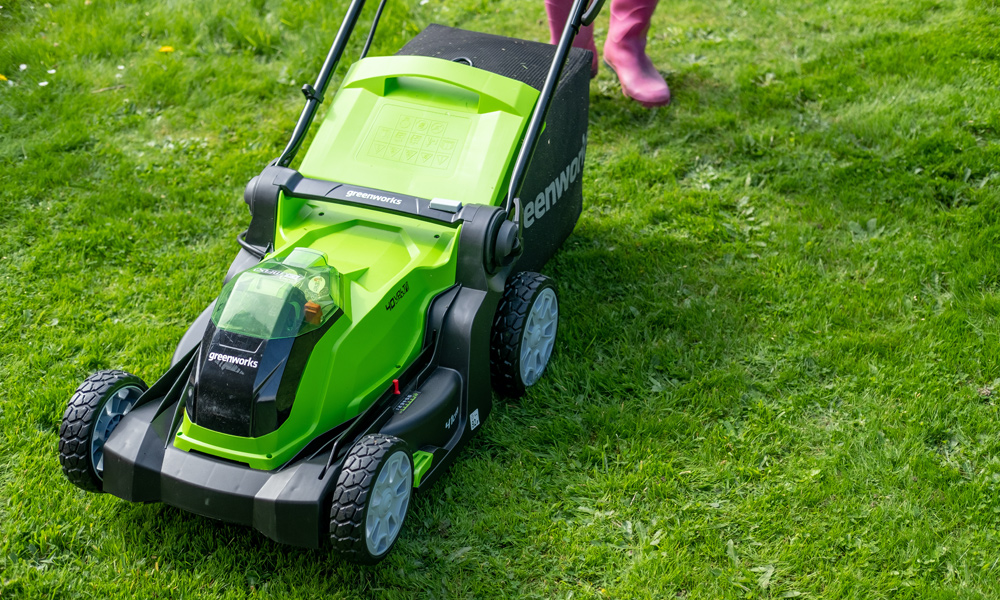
(371, 499)
(524, 332)
(91, 416)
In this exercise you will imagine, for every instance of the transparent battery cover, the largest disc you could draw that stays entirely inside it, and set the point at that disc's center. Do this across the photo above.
(281, 297)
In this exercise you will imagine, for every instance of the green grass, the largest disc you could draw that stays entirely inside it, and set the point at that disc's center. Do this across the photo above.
(778, 370)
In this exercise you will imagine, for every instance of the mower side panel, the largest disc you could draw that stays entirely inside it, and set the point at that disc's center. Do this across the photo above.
(461, 320)
(466, 332)
(466, 323)
(552, 194)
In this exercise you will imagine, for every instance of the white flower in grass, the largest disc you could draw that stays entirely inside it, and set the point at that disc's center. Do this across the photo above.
(43, 83)
(24, 67)
(121, 67)
(51, 71)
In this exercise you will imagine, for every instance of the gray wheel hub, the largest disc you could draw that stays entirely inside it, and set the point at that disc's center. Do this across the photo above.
(539, 336)
(110, 414)
(389, 499)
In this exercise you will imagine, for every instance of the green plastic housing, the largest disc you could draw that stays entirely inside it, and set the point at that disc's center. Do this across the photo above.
(412, 125)
(422, 126)
(390, 268)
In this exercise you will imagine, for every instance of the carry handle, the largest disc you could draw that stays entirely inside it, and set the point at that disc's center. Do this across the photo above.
(381, 74)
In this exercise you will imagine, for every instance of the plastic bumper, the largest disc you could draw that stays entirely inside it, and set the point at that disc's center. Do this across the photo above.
(287, 505)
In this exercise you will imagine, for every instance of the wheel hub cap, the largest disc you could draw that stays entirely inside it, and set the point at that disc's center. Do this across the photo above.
(539, 336)
(390, 497)
(115, 407)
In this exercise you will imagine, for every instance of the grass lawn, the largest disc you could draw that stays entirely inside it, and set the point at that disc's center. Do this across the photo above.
(778, 373)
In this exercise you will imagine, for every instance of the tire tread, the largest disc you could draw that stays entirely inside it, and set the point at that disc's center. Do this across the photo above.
(508, 328)
(78, 420)
(347, 509)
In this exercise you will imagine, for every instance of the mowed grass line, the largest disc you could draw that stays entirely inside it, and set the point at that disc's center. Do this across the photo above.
(777, 374)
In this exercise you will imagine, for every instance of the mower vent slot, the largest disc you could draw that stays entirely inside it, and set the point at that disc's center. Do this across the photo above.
(220, 459)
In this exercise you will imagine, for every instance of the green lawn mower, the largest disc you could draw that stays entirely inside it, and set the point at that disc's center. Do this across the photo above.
(378, 292)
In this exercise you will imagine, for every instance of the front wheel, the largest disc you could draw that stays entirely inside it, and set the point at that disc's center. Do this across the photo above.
(524, 332)
(371, 498)
(91, 416)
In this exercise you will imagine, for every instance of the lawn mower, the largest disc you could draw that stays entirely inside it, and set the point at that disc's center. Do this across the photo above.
(377, 293)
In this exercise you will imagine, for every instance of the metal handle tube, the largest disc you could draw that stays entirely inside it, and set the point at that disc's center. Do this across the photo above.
(533, 132)
(371, 33)
(314, 94)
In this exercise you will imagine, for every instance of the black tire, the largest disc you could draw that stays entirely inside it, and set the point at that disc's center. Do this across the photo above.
(76, 434)
(353, 498)
(520, 297)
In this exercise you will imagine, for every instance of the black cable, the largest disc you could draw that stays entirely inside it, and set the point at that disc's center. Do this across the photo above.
(241, 240)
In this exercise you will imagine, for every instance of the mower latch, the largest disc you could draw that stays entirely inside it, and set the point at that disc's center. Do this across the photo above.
(444, 205)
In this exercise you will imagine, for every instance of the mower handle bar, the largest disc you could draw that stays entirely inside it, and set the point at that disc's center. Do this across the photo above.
(314, 93)
(578, 18)
(591, 15)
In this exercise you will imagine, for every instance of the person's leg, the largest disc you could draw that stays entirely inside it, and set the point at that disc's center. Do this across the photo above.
(558, 12)
(625, 52)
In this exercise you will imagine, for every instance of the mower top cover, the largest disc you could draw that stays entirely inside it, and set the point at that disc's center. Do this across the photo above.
(280, 297)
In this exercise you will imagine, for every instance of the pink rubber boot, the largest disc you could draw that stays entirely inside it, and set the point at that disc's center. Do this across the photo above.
(558, 11)
(625, 52)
